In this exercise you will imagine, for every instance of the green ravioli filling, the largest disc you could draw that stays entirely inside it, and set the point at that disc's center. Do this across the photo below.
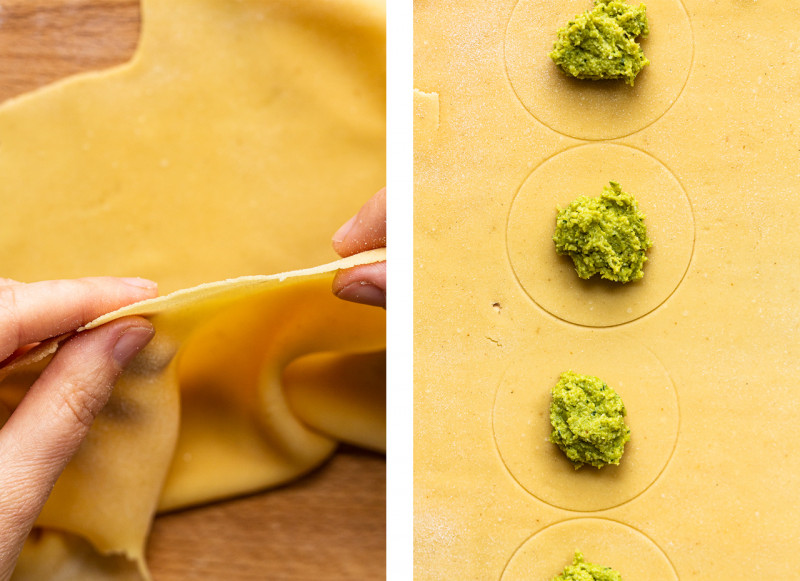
(588, 419)
(604, 235)
(580, 570)
(601, 43)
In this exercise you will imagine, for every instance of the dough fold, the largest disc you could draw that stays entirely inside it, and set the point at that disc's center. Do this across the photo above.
(201, 414)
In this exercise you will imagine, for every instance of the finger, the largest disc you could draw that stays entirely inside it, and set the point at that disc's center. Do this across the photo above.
(364, 284)
(52, 420)
(40, 310)
(364, 231)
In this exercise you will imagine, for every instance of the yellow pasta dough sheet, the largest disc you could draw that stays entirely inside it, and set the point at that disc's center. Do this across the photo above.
(702, 350)
(206, 412)
(234, 143)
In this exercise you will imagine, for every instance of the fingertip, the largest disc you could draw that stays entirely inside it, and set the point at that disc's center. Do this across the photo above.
(77, 383)
(365, 284)
(364, 293)
(364, 231)
(132, 340)
(141, 283)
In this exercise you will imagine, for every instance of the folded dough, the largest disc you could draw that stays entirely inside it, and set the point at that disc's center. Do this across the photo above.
(202, 414)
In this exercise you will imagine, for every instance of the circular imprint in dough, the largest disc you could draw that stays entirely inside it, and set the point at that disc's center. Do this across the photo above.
(588, 109)
(602, 541)
(550, 279)
(521, 419)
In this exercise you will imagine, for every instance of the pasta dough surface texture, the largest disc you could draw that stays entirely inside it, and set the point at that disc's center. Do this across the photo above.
(240, 136)
(702, 350)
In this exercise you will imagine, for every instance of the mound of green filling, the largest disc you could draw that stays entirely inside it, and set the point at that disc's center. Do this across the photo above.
(580, 570)
(604, 235)
(601, 43)
(588, 420)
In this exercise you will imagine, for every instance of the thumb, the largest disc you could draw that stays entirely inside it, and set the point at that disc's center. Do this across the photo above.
(364, 284)
(364, 231)
(54, 417)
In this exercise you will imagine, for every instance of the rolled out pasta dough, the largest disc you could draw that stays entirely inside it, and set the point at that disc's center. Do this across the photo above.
(235, 142)
(711, 360)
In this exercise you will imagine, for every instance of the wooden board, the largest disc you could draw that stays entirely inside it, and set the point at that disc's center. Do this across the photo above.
(331, 524)
(328, 526)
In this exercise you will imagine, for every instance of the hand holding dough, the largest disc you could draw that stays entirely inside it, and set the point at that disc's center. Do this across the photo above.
(52, 420)
(206, 411)
(365, 231)
(251, 127)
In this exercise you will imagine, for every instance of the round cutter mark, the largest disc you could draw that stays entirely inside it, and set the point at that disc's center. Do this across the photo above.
(550, 279)
(596, 110)
(521, 418)
(603, 541)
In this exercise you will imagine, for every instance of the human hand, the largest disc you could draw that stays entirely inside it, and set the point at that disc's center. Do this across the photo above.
(47, 427)
(364, 231)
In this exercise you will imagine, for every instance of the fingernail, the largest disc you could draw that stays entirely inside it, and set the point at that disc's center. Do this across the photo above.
(130, 343)
(364, 293)
(140, 283)
(342, 232)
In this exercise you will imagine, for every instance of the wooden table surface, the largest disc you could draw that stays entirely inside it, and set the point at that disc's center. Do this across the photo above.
(327, 526)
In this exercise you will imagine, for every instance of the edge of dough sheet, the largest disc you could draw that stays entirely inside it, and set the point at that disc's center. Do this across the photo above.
(245, 283)
(377, 11)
